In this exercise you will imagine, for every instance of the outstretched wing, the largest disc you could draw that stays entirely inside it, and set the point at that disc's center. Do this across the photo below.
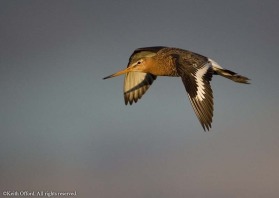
(135, 85)
(196, 73)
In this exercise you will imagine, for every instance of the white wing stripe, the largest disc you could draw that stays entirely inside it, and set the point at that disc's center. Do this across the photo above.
(200, 84)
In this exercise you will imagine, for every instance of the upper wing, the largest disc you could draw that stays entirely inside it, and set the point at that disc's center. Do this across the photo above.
(196, 75)
(135, 85)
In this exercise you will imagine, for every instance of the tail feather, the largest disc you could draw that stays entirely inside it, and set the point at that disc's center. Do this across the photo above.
(228, 73)
(232, 75)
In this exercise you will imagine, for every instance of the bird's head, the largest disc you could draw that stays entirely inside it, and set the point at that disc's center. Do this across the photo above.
(141, 65)
(141, 60)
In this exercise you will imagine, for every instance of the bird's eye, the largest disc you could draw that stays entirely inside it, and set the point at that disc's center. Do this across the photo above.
(139, 62)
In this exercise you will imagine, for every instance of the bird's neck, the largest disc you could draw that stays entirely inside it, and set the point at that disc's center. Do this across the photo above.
(163, 66)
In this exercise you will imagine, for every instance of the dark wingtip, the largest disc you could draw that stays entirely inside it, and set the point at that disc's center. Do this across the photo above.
(206, 128)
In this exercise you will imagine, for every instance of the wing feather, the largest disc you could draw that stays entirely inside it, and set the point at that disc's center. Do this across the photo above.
(196, 73)
(135, 85)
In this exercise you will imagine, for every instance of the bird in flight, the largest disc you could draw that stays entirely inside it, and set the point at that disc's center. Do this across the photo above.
(195, 70)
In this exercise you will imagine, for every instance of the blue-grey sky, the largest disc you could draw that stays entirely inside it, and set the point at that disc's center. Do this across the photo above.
(63, 128)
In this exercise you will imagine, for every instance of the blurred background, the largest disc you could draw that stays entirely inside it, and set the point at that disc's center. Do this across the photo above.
(63, 128)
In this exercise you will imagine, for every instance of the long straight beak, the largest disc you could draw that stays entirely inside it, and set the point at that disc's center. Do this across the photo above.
(124, 71)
